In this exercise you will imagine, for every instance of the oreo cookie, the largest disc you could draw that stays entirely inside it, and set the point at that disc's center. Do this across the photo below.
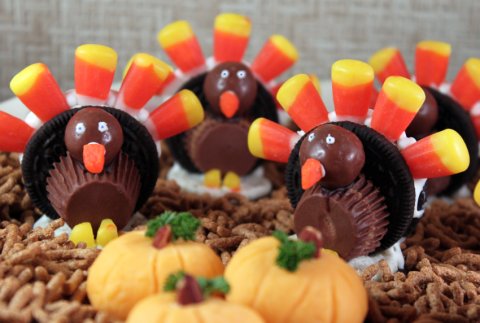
(384, 166)
(262, 107)
(47, 145)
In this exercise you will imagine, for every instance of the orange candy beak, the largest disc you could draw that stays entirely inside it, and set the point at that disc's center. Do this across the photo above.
(229, 103)
(276, 57)
(388, 62)
(14, 133)
(466, 86)
(94, 157)
(299, 97)
(230, 39)
(312, 172)
(431, 62)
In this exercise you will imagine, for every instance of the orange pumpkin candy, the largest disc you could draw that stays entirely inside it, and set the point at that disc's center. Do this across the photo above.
(326, 289)
(130, 268)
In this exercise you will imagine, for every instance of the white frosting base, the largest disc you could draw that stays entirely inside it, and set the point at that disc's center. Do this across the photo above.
(254, 185)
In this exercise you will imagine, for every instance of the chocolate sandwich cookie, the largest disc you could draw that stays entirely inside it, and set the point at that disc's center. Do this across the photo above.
(47, 146)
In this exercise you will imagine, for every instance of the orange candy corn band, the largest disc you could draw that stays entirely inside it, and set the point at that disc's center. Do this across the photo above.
(276, 56)
(466, 86)
(31, 86)
(431, 62)
(170, 78)
(143, 79)
(476, 123)
(397, 104)
(269, 140)
(181, 45)
(441, 154)
(94, 72)
(301, 100)
(178, 114)
(231, 34)
(388, 62)
(14, 133)
(352, 84)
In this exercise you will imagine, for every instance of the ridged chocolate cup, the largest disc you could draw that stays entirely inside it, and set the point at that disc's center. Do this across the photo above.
(80, 196)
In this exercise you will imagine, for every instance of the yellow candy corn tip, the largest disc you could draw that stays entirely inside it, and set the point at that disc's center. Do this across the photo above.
(213, 178)
(98, 55)
(234, 24)
(145, 60)
(254, 140)
(175, 33)
(287, 94)
(192, 107)
(407, 95)
(380, 59)
(316, 83)
(232, 181)
(451, 149)
(127, 67)
(83, 232)
(106, 233)
(349, 72)
(438, 47)
(285, 46)
(473, 68)
(23, 81)
(476, 193)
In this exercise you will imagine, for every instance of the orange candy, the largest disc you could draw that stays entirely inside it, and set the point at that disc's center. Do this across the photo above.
(312, 172)
(144, 78)
(32, 85)
(269, 140)
(388, 62)
(431, 62)
(94, 71)
(178, 114)
(14, 133)
(441, 154)
(299, 97)
(94, 157)
(352, 84)
(476, 123)
(397, 104)
(181, 45)
(276, 56)
(231, 34)
(466, 86)
(229, 103)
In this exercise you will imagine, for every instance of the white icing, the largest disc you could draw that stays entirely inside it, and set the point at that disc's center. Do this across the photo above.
(111, 98)
(445, 88)
(283, 117)
(253, 185)
(71, 98)
(475, 111)
(33, 121)
(159, 147)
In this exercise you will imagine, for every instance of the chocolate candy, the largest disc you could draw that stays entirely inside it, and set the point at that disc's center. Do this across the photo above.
(426, 118)
(338, 150)
(233, 78)
(93, 125)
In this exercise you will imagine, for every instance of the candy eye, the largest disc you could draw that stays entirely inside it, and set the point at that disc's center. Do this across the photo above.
(311, 137)
(241, 74)
(224, 74)
(102, 126)
(80, 128)
(330, 140)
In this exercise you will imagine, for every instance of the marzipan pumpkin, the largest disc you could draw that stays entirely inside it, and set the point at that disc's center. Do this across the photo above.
(137, 264)
(191, 302)
(296, 281)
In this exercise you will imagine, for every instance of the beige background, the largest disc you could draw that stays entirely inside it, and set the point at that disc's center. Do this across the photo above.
(324, 31)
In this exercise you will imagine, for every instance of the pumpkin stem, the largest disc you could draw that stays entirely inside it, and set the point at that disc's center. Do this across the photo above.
(217, 286)
(292, 252)
(163, 237)
(189, 291)
(310, 234)
(183, 225)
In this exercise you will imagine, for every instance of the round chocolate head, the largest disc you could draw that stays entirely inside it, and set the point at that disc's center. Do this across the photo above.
(93, 125)
(230, 88)
(426, 118)
(338, 150)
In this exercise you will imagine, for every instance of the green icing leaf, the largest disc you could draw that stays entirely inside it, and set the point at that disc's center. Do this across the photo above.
(292, 252)
(184, 225)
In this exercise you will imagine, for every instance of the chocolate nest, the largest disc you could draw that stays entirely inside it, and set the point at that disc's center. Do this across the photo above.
(43, 279)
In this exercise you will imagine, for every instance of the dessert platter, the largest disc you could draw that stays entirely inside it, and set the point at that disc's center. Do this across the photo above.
(98, 225)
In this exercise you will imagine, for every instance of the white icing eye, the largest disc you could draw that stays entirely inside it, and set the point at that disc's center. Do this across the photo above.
(241, 74)
(330, 140)
(102, 126)
(311, 136)
(224, 74)
(80, 128)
